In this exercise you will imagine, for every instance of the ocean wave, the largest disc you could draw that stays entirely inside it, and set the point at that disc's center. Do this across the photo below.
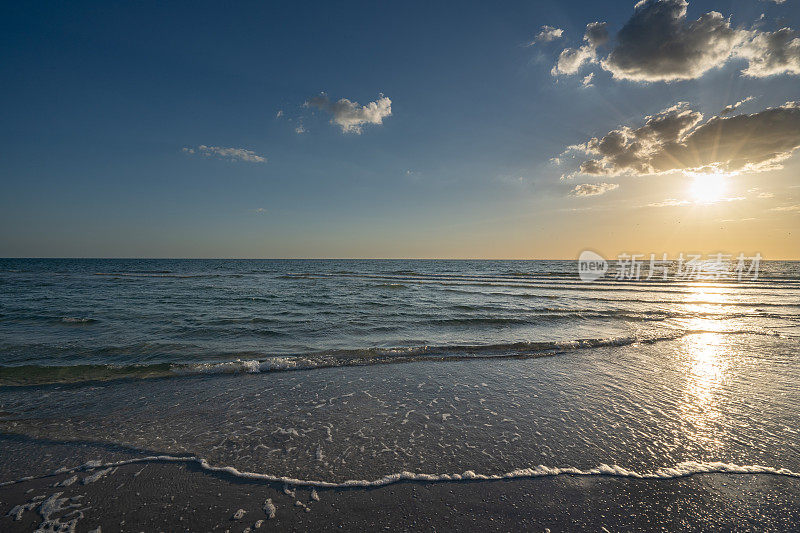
(253, 363)
(27, 375)
(679, 470)
(166, 274)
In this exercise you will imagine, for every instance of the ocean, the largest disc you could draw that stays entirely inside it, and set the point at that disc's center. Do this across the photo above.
(337, 372)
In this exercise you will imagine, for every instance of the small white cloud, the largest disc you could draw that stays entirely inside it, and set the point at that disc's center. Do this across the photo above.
(231, 154)
(795, 207)
(259, 210)
(593, 189)
(351, 116)
(587, 80)
(731, 108)
(669, 202)
(570, 60)
(299, 129)
(766, 195)
(279, 114)
(547, 34)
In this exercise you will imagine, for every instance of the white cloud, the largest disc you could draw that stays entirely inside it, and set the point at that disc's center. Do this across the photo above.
(570, 60)
(677, 139)
(733, 107)
(795, 207)
(765, 195)
(279, 114)
(231, 154)
(547, 34)
(587, 80)
(593, 189)
(670, 202)
(351, 116)
(299, 129)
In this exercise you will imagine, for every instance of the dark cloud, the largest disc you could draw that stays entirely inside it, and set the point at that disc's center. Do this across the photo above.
(677, 139)
(659, 43)
(772, 53)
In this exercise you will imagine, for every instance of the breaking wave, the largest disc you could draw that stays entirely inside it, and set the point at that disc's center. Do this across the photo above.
(26, 375)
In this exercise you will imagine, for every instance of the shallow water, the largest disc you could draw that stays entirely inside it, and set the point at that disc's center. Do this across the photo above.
(501, 366)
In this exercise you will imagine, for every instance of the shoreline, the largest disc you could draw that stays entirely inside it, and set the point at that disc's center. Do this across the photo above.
(183, 496)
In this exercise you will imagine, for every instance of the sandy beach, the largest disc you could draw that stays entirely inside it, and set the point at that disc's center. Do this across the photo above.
(181, 497)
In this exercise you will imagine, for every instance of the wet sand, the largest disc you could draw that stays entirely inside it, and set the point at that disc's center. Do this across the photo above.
(182, 497)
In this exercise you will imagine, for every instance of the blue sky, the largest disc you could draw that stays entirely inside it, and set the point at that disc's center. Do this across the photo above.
(100, 100)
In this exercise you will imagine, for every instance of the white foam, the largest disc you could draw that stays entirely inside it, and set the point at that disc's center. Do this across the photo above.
(270, 509)
(91, 478)
(67, 482)
(53, 505)
(305, 507)
(684, 469)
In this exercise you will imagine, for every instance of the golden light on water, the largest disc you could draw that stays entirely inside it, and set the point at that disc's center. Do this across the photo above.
(706, 368)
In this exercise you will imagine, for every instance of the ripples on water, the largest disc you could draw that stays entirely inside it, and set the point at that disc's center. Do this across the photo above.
(515, 364)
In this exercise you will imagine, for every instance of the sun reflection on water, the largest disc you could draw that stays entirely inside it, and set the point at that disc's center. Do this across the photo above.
(705, 363)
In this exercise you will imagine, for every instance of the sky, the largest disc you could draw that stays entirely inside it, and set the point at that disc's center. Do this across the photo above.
(399, 129)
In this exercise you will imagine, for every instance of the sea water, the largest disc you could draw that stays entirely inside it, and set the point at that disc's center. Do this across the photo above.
(343, 371)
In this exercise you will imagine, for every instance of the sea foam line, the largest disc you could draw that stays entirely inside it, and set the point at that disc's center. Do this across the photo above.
(680, 470)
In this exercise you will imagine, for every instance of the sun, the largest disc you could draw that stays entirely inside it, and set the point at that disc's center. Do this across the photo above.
(708, 188)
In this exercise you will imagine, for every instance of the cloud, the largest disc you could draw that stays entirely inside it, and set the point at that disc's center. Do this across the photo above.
(771, 53)
(795, 207)
(659, 43)
(593, 189)
(731, 108)
(677, 139)
(596, 34)
(300, 129)
(587, 80)
(548, 33)
(766, 195)
(670, 202)
(572, 59)
(232, 154)
(279, 114)
(351, 116)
